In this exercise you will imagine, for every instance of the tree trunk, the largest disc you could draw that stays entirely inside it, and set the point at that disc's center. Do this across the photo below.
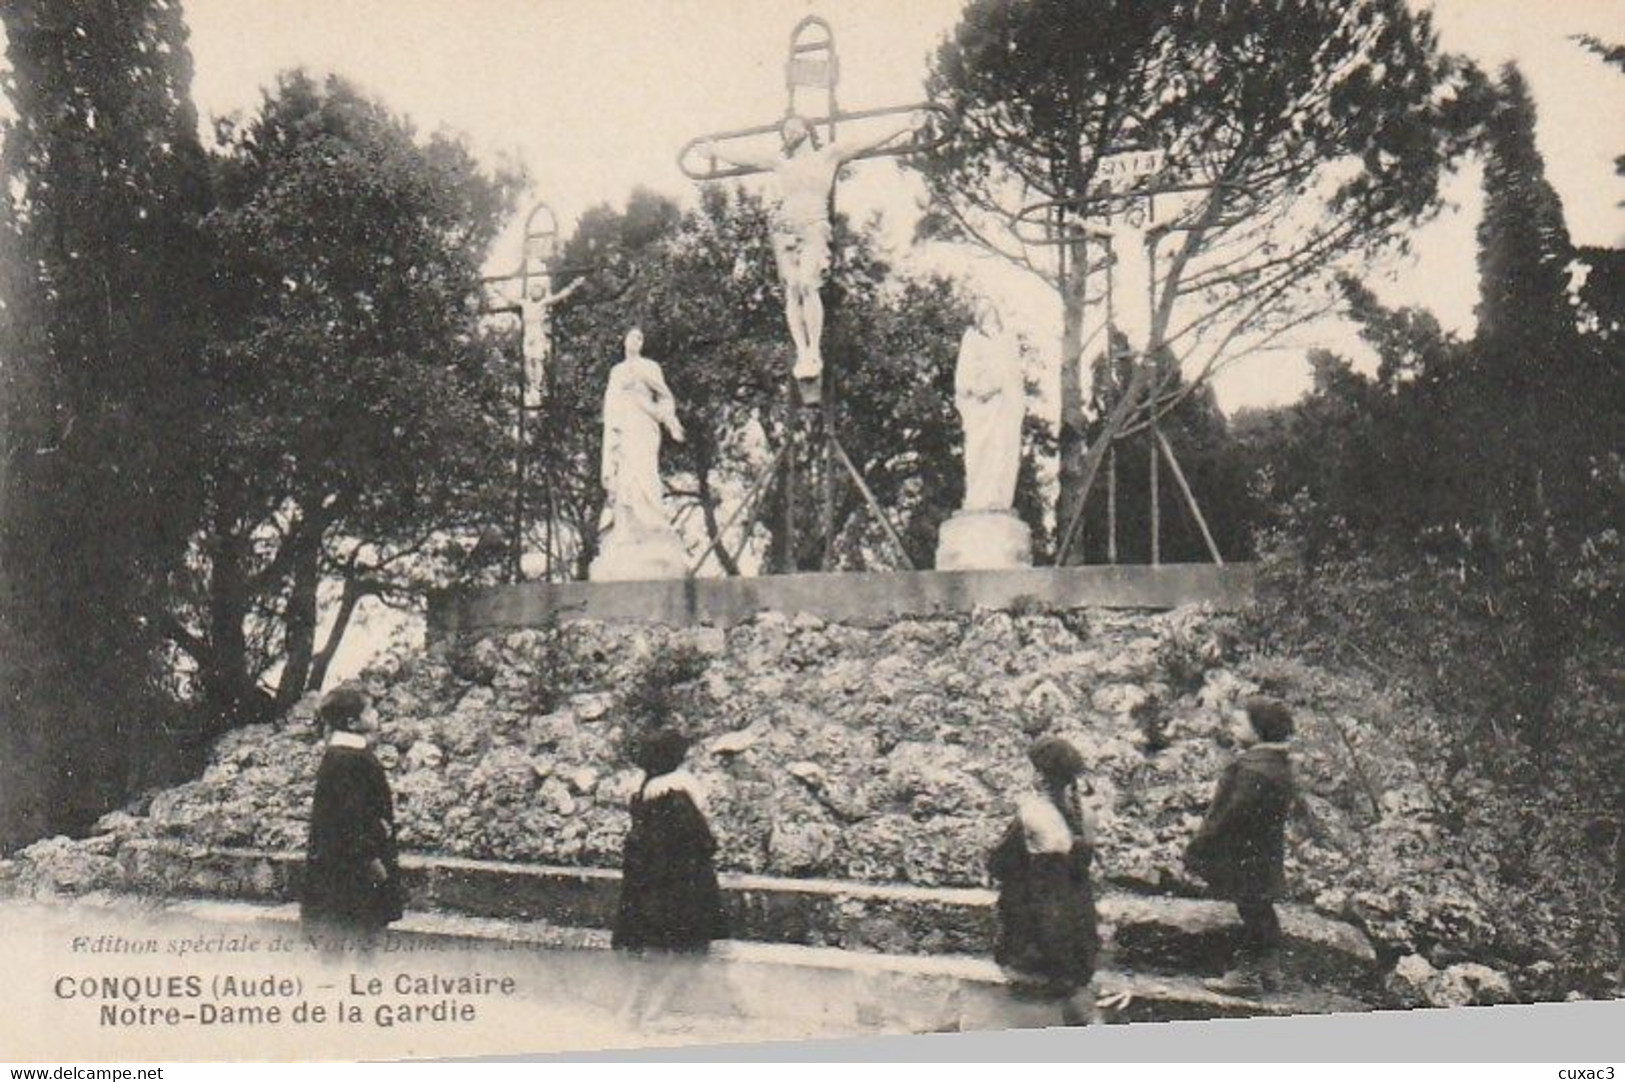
(355, 590)
(229, 693)
(300, 616)
(1072, 443)
(1549, 628)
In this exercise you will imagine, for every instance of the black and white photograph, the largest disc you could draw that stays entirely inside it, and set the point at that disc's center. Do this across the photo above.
(577, 526)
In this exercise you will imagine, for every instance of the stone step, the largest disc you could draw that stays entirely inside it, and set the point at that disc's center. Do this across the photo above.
(825, 989)
(1143, 933)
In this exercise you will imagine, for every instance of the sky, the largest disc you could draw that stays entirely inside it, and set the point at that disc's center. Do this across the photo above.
(595, 97)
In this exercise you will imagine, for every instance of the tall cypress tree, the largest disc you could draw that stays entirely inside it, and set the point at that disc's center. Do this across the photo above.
(1524, 244)
(1537, 406)
(98, 343)
(1540, 384)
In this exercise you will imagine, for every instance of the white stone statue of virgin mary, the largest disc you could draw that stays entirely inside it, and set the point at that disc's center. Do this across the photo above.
(990, 390)
(991, 393)
(638, 407)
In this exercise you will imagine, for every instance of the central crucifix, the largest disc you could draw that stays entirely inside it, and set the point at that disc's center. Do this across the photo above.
(806, 168)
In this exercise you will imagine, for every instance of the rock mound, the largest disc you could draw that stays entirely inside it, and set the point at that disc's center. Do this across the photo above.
(878, 754)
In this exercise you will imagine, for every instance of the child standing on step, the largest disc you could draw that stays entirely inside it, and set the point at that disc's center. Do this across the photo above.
(1239, 849)
(1048, 937)
(352, 883)
(670, 904)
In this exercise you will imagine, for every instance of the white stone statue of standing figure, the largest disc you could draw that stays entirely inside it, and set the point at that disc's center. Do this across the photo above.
(990, 391)
(638, 406)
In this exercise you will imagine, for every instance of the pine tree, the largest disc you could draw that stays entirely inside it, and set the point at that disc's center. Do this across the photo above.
(1319, 128)
(1536, 409)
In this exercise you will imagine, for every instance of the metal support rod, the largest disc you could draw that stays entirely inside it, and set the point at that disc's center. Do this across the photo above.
(757, 488)
(1140, 375)
(1097, 453)
(827, 511)
(1152, 479)
(547, 527)
(1156, 434)
(792, 409)
(516, 570)
(827, 516)
(1111, 505)
(551, 561)
(874, 505)
(1190, 498)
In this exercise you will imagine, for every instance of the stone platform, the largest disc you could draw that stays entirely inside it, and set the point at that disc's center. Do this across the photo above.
(858, 598)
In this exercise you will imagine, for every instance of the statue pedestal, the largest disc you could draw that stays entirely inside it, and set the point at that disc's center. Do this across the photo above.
(640, 557)
(984, 540)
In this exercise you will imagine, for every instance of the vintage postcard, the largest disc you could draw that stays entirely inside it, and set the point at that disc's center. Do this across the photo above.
(532, 526)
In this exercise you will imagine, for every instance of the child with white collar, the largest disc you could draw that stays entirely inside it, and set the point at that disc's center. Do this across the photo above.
(351, 876)
(1048, 937)
(670, 904)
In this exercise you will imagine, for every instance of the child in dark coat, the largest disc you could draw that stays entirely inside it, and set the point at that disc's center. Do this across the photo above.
(670, 903)
(351, 878)
(1048, 937)
(669, 894)
(1240, 848)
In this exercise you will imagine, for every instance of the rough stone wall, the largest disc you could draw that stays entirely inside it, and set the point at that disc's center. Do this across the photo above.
(887, 755)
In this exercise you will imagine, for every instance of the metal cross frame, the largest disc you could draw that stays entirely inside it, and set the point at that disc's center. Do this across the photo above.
(813, 65)
(1144, 176)
(533, 308)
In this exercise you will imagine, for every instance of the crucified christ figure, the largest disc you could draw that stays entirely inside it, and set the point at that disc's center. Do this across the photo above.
(805, 172)
(1133, 244)
(536, 309)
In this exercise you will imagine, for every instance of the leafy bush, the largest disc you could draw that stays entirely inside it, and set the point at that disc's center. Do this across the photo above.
(658, 691)
(1503, 644)
(556, 667)
(1151, 718)
(470, 660)
(1075, 620)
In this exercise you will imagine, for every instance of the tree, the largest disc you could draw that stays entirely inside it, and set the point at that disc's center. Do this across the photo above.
(1319, 127)
(357, 416)
(1614, 56)
(1539, 375)
(1451, 526)
(1602, 287)
(1541, 395)
(1496, 457)
(99, 336)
